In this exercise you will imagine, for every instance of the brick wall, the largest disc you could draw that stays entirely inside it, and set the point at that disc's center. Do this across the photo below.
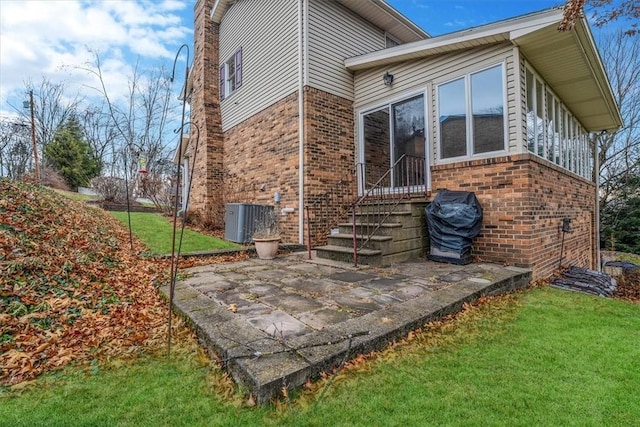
(329, 140)
(524, 199)
(329, 152)
(261, 157)
(206, 195)
(262, 153)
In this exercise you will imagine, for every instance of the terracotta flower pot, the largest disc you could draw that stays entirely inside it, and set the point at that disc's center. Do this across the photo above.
(267, 247)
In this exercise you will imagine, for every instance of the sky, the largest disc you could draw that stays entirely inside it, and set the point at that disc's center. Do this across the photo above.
(54, 38)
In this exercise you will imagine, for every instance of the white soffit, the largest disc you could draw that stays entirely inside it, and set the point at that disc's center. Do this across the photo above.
(219, 9)
(387, 18)
(570, 63)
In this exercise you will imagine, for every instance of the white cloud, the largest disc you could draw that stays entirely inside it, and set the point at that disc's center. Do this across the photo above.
(51, 39)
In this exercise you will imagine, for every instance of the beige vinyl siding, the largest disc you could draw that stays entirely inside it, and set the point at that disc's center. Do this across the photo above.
(336, 33)
(414, 76)
(268, 34)
(513, 116)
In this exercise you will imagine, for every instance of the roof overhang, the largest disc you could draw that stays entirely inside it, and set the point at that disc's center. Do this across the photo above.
(568, 61)
(219, 9)
(378, 12)
(181, 154)
(384, 16)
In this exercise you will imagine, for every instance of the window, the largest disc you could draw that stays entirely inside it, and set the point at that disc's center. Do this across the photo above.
(471, 112)
(389, 133)
(231, 74)
(453, 119)
(552, 131)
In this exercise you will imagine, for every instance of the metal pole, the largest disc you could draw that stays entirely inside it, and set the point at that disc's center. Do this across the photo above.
(33, 138)
(174, 258)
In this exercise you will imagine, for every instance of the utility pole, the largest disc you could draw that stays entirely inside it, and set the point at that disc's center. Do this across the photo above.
(33, 139)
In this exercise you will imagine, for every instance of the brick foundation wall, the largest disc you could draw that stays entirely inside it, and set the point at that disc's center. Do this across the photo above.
(524, 199)
(262, 153)
(329, 148)
(262, 158)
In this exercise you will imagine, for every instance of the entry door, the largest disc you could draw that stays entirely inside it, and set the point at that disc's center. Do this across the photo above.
(389, 133)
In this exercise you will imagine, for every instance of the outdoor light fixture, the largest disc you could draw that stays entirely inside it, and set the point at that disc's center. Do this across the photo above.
(387, 78)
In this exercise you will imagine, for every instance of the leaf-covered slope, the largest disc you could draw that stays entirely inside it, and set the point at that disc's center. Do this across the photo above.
(71, 289)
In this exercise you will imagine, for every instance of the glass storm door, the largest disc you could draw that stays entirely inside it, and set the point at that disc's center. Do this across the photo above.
(390, 133)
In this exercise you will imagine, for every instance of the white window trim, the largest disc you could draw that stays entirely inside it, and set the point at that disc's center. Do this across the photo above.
(227, 74)
(226, 86)
(387, 105)
(468, 110)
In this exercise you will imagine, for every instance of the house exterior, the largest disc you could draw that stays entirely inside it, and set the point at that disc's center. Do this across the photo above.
(290, 96)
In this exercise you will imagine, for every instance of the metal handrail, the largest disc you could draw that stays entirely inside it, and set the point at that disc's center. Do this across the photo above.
(382, 198)
(330, 207)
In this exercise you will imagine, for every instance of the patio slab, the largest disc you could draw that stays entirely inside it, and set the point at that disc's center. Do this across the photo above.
(280, 322)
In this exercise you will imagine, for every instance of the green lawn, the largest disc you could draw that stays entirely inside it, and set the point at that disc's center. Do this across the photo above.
(543, 357)
(155, 231)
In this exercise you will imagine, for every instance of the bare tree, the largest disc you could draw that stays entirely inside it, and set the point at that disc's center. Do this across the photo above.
(138, 135)
(16, 157)
(101, 134)
(602, 12)
(52, 108)
(619, 153)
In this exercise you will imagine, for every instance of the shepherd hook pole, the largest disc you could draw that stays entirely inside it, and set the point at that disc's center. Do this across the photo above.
(174, 261)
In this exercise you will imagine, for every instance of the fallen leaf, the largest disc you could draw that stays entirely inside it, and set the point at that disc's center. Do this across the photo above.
(251, 401)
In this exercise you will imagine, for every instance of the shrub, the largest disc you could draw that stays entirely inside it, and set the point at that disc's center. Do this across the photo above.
(161, 192)
(204, 219)
(50, 177)
(111, 189)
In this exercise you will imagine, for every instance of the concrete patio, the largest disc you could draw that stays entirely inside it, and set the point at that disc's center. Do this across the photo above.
(278, 323)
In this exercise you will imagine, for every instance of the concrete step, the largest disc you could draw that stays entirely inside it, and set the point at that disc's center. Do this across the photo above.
(344, 254)
(386, 229)
(376, 242)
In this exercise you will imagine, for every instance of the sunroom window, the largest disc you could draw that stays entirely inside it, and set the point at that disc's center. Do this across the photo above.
(471, 114)
(552, 131)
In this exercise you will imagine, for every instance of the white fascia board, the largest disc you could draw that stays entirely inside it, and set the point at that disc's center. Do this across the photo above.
(521, 25)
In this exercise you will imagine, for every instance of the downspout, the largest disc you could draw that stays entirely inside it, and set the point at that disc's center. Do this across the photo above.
(596, 174)
(301, 63)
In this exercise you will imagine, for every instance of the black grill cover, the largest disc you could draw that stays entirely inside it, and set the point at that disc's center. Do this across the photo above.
(454, 218)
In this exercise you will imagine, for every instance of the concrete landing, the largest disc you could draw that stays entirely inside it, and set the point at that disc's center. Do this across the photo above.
(280, 322)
